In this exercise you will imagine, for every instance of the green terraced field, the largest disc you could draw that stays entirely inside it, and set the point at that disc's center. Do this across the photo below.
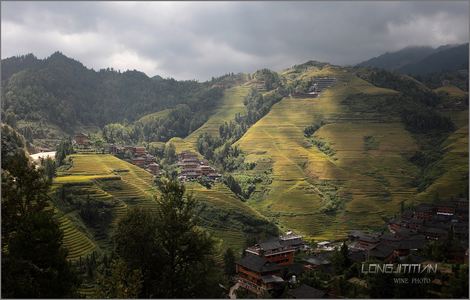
(99, 177)
(230, 214)
(370, 182)
(107, 179)
(455, 163)
(75, 241)
(232, 103)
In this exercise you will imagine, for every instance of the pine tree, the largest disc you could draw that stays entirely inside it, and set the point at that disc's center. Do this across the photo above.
(229, 262)
(34, 263)
(176, 257)
(121, 282)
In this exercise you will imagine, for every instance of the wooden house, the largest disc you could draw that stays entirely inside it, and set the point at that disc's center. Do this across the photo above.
(258, 275)
(274, 251)
(424, 211)
(81, 140)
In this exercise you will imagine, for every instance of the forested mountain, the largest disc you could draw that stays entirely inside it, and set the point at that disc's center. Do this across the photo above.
(398, 59)
(350, 157)
(422, 60)
(449, 59)
(61, 92)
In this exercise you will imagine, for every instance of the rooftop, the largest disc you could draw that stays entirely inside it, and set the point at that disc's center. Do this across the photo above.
(257, 263)
(306, 292)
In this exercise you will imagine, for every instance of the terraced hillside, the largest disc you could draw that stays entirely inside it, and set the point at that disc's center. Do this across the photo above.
(232, 103)
(357, 163)
(114, 186)
(454, 178)
(106, 183)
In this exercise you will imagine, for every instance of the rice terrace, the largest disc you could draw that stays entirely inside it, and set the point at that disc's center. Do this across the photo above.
(234, 149)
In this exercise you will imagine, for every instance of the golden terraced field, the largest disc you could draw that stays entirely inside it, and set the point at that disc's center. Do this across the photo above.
(107, 178)
(371, 183)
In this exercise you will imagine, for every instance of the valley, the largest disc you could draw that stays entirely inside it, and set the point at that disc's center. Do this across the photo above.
(234, 150)
(354, 170)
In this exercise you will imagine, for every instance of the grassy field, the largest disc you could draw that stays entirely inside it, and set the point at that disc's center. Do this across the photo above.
(369, 183)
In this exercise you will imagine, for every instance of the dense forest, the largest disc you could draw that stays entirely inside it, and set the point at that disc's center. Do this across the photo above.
(62, 92)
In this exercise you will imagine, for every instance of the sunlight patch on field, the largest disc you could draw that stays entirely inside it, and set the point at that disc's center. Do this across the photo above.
(301, 173)
(106, 178)
(232, 103)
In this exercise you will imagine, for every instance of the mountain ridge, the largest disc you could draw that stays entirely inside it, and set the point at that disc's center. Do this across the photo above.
(421, 60)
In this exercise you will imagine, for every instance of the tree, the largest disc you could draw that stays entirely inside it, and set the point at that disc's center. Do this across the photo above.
(188, 250)
(170, 152)
(176, 256)
(63, 149)
(49, 167)
(233, 185)
(340, 259)
(10, 119)
(229, 262)
(24, 192)
(119, 281)
(34, 263)
(136, 233)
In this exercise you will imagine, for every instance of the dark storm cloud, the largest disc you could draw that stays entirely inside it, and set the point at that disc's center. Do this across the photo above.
(198, 40)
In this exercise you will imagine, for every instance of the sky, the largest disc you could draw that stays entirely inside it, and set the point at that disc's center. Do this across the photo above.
(198, 40)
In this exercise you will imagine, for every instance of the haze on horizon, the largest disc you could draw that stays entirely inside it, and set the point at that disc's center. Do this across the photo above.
(198, 40)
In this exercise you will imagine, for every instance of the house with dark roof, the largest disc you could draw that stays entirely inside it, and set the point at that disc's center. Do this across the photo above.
(274, 251)
(357, 256)
(362, 240)
(424, 211)
(258, 275)
(317, 260)
(382, 252)
(433, 233)
(306, 292)
(293, 240)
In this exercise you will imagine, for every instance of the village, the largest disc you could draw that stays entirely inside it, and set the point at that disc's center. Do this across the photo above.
(190, 167)
(274, 267)
(268, 267)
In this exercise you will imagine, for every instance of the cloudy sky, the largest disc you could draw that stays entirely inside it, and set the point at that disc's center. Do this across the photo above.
(197, 40)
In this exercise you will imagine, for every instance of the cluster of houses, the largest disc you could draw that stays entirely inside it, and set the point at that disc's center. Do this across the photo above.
(412, 230)
(137, 156)
(191, 167)
(269, 266)
(133, 154)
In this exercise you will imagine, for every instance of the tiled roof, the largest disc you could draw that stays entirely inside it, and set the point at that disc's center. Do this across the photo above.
(257, 263)
(306, 292)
